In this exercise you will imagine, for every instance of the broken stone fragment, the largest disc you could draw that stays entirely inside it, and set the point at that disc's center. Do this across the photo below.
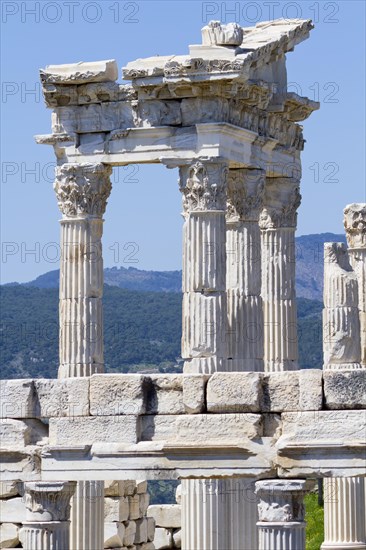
(80, 73)
(217, 34)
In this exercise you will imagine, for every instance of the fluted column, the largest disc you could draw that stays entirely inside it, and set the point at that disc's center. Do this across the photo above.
(82, 192)
(245, 324)
(278, 223)
(47, 525)
(344, 348)
(281, 524)
(344, 514)
(205, 524)
(203, 186)
(243, 270)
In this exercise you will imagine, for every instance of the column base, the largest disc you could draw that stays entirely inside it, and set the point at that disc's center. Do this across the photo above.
(80, 370)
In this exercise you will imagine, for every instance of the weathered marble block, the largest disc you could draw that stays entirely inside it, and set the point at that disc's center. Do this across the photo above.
(323, 427)
(141, 531)
(9, 489)
(150, 528)
(194, 389)
(89, 430)
(166, 515)
(15, 434)
(12, 510)
(201, 427)
(9, 535)
(117, 394)
(345, 389)
(62, 397)
(229, 392)
(80, 73)
(130, 531)
(292, 391)
(165, 394)
(96, 117)
(163, 538)
(116, 508)
(17, 399)
(114, 532)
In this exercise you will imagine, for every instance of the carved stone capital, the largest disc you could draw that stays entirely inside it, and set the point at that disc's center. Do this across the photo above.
(203, 185)
(281, 200)
(281, 500)
(48, 501)
(245, 195)
(82, 189)
(355, 225)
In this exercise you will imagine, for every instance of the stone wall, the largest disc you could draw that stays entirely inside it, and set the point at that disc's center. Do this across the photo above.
(126, 525)
(168, 521)
(12, 514)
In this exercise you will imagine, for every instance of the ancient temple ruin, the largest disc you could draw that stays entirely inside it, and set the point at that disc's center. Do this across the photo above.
(243, 428)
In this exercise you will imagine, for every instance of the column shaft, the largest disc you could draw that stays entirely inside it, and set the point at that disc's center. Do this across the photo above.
(243, 273)
(344, 514)
(82, 191)
(203, 187)
(242, 514)
(50, 535)
(203, 515)
(278, 223)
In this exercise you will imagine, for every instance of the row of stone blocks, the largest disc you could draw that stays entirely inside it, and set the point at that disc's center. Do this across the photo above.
(126, 524)
(178, 394)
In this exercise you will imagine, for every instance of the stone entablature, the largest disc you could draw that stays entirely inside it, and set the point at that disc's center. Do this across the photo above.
(305, 423)
(244, 87)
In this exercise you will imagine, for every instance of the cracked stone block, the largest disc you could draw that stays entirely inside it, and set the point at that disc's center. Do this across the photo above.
(234, 392)
(117, 394)
(17, 399)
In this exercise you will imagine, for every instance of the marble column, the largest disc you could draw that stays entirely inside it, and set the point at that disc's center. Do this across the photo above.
(203, 185)
(344, 514)
(82, 192)
(205, 524)
(243, 270)
(345, 307)
(281, 511)
(278, 224)
(47, 525)
(341, 325)
(355, 225)
(245, 323)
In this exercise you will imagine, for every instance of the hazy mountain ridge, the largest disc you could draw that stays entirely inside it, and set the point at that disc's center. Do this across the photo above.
(309, 272)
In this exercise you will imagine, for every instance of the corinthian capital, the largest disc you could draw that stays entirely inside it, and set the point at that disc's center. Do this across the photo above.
(82, 189)
(203, 186)
(48, 501)
(245, 195)
(281, 200)
(355, 225)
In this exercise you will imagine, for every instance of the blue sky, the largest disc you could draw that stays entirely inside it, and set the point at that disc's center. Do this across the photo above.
(143, 221)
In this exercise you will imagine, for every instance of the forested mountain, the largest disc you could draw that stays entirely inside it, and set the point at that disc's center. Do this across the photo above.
(142, 331)
(309, 272)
